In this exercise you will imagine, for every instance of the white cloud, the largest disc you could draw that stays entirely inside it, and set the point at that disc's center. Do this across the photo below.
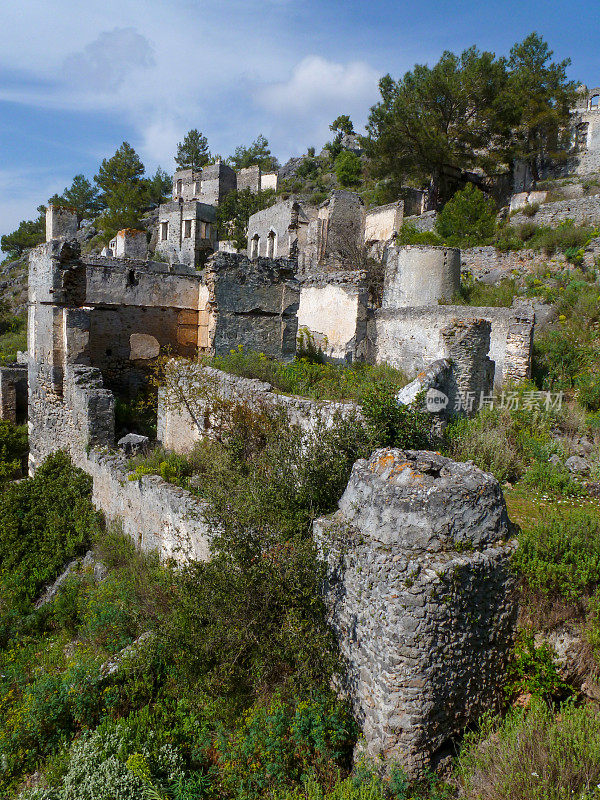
(316, 92)
(318, 85)
(104, 63)
(232, 68)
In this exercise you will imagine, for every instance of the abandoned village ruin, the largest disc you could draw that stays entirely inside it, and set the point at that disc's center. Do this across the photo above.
(419, 588)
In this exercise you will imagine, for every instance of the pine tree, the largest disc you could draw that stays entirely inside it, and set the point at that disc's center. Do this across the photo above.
(193, 152)
(258, 153)
(158, 187)
(124, 193)
(83, 196)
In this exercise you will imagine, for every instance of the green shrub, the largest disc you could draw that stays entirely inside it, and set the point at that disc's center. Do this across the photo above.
(309, 375)
(534, 754)
(501, 440)
(393, 424)
(531, 209)
(410, 234)
(348, 168)
(533, 670)
(13, 450)
(561, 556)
(468, 219)
(44, 521)
(98, 767)
(546, 477)
(280, 742)
(476, 293)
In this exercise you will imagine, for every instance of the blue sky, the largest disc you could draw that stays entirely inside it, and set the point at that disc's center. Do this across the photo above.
(78, 78)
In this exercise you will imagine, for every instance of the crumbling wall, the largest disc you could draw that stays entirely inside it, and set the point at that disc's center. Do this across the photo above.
(419, 590)
(423, 222)
(582, 210)
(275, 230)
(187, 232)
(72, 414)
(131, 243)
(383, 222)
(218, 180)
(411, 338)
(13, 393)
(588, 130)
(254, 303)
(249, 178)
(190, 391)
(157, 515)
(333, 312)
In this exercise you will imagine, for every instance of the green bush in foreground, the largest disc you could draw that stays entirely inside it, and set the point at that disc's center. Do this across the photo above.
(13, 449)
(44, 521)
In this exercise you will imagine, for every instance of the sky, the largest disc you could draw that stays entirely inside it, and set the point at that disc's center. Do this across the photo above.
(79, 78)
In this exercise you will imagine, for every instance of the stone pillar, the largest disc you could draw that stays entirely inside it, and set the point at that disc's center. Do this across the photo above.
(467, 344)
(519, 346)
(61, 222)
(419, 591)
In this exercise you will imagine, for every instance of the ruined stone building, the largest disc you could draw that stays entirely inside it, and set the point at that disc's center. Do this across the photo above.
(587, 130)
(187, 232)
(212, 183)
(337, 233)
(424, 633)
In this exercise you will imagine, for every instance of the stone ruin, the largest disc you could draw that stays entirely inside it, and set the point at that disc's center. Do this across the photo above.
(419, 590)
(418, 583)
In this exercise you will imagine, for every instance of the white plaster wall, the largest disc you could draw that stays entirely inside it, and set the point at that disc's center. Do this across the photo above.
(332, 312)
(410, 339)
(382, 223)
(268, 181)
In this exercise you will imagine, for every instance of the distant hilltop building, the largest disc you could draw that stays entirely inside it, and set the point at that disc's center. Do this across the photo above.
(187, 226)
(587, 130)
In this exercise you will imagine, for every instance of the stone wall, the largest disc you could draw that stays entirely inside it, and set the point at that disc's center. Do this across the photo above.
(411, 338)
(333, 310)
(157, 515)
(423, 222)
(190, 392)
(254, 304)
(582, 210)
(280, 230)
(187, 232)
(419, 591)
(383, 222)
(490, 264)
(13, 393)
(588, 161)
(79, 419)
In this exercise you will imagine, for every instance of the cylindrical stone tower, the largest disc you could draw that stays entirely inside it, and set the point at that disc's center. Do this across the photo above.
(420, 275)
(419, 591)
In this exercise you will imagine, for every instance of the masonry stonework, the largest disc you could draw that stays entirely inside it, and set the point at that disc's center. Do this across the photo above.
(419, 589)
(582, 210)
